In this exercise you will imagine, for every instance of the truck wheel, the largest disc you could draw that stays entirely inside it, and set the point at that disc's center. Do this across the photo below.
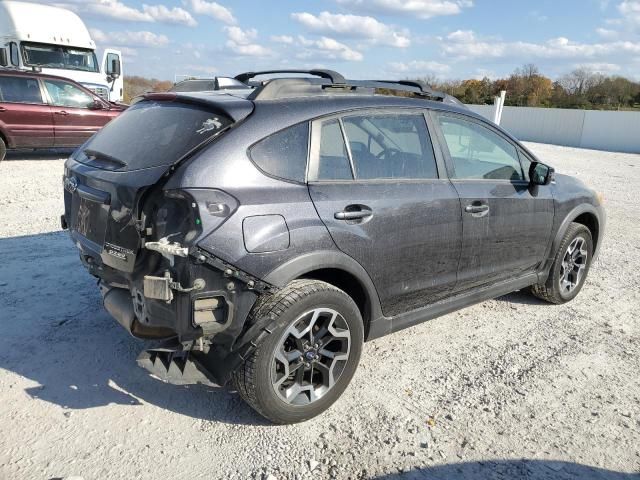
(307, 361)
(570, 266)
(3, 149)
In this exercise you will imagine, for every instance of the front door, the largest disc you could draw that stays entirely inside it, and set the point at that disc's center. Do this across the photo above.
(24, 117)
(506, 222)
(75, 118)
(380, 196)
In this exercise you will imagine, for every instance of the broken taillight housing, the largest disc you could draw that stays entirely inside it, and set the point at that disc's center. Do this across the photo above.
(189, 214)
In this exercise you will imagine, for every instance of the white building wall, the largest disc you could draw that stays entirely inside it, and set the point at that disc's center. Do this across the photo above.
(600, 130)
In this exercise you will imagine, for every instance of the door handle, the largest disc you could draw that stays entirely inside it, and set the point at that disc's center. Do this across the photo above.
(2, 109)
(62, 112)
(477, 209)
(353, 212)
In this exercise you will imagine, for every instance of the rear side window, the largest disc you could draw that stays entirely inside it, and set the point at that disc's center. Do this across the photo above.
(478, 153)
(333, 160)
(284, 154)
(390, 146)
(153, 133)
(20, 90)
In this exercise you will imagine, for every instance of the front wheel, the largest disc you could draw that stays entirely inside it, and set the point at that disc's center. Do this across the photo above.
(570, 266)
(3, 149)
(307, 361)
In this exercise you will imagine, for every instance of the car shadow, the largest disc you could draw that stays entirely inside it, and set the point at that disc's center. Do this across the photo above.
(44, 154)
(56, 334)
(522, 297)
(512, 469)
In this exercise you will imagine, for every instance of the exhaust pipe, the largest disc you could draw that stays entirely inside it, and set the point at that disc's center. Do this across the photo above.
(118, 302)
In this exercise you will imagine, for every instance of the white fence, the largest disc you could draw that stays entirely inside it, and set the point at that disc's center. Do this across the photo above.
(613, 131)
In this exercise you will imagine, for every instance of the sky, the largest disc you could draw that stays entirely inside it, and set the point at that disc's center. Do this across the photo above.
(447, 39)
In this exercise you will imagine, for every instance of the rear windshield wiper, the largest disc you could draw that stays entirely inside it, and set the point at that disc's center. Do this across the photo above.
(103, 157)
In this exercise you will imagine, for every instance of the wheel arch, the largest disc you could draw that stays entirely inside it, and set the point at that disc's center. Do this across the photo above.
(586, 214)
(341, 271)
(4, 137)
(590, 220)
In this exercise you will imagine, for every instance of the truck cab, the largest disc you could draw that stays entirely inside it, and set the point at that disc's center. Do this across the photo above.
(56, 41)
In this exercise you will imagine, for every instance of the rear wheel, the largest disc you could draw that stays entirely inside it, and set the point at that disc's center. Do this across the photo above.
(3, 149)
(570, 266)
(307, 361)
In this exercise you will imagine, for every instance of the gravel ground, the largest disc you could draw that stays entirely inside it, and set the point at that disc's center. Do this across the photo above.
(510, 388)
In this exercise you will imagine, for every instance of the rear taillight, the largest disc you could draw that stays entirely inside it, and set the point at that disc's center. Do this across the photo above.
(186, 215)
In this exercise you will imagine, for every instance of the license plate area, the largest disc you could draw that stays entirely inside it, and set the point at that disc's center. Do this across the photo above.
(89, 217)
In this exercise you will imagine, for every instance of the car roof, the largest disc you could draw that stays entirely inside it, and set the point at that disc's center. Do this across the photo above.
(305, 107)
(31, 73)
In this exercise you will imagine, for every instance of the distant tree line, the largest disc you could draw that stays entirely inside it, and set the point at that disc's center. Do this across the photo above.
(526, 86)
(134, 86)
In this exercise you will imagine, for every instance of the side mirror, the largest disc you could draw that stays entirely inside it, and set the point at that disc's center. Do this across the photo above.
(96, 105)
(4, 60)
(541, 174)
(113, 69)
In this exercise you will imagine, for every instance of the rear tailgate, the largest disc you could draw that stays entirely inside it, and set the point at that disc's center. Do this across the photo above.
(106, 177)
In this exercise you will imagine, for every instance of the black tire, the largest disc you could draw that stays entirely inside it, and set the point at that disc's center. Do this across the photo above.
(3, 149)
(254, 380)
(552, 290)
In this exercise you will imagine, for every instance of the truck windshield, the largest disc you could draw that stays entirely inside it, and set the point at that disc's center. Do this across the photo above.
(58, 56)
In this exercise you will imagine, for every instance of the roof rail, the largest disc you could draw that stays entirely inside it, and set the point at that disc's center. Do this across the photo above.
(335, 77)
(424, 88)
(301, 87)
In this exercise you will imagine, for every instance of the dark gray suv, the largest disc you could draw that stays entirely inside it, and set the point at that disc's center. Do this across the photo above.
(261, 237)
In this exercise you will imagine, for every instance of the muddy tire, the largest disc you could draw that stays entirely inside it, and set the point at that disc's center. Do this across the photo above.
(305, 363)
(570, 267)
(3, 149)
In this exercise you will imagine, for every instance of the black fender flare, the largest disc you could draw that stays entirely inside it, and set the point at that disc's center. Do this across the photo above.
(323, 259)
(597, 212)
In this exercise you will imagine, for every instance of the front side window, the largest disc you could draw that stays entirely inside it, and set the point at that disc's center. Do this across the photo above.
(64, 94)
(478, 153)
(526, 162)
(284, 154)
(56, 56)
(15, 54)
(19, 90)
(387, 146)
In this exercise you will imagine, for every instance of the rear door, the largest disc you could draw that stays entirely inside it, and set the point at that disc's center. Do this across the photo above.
(506, 221)
(75, 119)
(24, 116)
(373, 177)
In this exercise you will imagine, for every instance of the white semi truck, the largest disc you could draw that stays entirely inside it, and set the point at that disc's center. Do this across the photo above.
(56, 41)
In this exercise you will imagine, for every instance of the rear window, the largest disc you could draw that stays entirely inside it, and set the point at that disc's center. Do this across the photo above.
(284, 154)
(19, 90)
(150, 134)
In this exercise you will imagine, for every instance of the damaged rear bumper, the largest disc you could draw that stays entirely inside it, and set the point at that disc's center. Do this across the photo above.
(200, 296)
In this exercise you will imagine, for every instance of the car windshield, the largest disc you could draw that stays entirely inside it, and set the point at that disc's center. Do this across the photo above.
(56, 56)
(194, 86)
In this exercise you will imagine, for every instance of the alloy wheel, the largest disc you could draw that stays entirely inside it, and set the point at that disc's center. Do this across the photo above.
(573, 265)
(311, 356)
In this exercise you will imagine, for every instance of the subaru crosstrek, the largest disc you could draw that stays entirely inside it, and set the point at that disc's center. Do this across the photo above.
(264, 236)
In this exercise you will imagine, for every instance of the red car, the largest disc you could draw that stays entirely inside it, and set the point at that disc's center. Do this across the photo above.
(45, 111)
